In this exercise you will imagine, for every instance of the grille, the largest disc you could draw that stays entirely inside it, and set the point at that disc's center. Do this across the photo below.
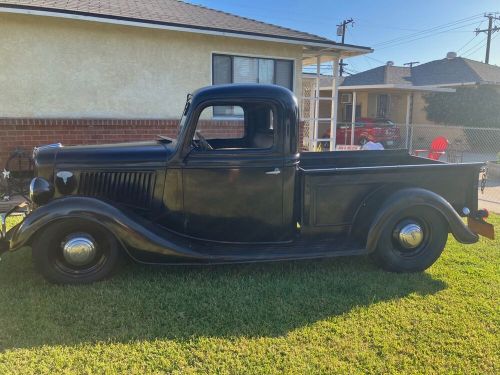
(131, 188)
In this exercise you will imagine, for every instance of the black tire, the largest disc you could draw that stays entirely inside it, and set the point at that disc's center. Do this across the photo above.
(49, 260)
(391, 255)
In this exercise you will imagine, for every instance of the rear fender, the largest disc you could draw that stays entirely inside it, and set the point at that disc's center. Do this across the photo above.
(132, 231)
(403, 199)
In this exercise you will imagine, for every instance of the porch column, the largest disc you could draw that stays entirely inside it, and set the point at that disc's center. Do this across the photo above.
(334, 110)
(316, 102)
(408, 120)
(353, 115)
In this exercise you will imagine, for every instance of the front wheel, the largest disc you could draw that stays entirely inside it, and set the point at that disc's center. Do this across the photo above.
(412, 240)
(75, 251)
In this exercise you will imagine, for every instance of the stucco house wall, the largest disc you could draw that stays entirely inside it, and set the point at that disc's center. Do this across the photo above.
(83, 82)
(63, 68)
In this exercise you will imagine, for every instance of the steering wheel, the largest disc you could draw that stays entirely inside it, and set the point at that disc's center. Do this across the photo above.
(204, 145)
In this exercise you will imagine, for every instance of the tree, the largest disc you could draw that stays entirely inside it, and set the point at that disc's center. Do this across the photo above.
(477, 106)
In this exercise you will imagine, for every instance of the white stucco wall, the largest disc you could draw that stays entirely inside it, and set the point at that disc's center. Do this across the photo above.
(52, 67)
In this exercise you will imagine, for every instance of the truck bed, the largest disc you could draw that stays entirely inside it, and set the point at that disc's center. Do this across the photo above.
(335, 184)
(356, 159)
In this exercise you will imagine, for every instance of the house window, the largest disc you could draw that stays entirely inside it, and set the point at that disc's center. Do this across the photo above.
(383, 105)
(347, 113)
(240, 69)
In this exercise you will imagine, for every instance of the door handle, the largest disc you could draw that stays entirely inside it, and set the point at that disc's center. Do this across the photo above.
(274, 172)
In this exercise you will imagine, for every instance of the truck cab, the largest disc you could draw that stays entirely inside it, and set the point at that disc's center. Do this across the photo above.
(238, 180)
(234, 187)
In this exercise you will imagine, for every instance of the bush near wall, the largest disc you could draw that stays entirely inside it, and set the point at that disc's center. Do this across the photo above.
(477, 107)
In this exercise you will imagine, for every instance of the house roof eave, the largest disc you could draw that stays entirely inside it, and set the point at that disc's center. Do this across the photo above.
(309, 44)
(395, 87)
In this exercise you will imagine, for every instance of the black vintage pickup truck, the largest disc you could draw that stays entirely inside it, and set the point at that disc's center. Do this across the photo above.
(209, 197)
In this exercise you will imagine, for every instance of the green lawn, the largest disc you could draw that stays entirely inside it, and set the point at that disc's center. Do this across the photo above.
(341, 315)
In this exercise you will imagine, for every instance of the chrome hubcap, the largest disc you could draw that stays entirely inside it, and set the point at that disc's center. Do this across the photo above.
(411, 236)
(79, 250)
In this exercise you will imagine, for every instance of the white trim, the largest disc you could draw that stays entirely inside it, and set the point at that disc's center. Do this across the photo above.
(335, 104)
(179, 28)
(353, 116)
(312, 98)
(243, 54)
(393, 87)
(479, 83)
(316, 103)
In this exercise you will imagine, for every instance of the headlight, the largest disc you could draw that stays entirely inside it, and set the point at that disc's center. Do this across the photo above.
(41, 191)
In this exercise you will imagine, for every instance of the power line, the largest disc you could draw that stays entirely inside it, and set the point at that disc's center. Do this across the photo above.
(423, 37)
(341, 29)
(470, 41)
(489, 31)
(374, 59)
(474, 47)
(411, 63)
(466, 44)
(483, 43)
(430, 30)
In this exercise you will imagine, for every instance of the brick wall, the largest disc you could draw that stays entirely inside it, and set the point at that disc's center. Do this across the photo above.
(27, 133)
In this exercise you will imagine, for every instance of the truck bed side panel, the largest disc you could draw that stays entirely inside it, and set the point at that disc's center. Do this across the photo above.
(331, 197)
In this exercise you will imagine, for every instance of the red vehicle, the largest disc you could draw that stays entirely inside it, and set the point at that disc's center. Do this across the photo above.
(368, 129)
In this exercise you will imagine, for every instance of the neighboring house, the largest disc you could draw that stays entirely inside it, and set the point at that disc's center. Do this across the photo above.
(382, 91)
(106, 71)
(397, 93)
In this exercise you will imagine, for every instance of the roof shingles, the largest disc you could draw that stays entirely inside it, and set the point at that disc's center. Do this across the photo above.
(173, 12)
(438, 72)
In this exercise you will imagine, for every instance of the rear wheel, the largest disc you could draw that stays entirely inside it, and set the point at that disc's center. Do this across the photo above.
(412, 240)
(75, 251)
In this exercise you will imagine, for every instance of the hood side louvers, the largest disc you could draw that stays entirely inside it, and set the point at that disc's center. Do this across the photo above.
(130, 188)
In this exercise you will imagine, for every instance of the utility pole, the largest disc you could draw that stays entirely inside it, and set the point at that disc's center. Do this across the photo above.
(411, 63)
(341, 29)
(490, 30)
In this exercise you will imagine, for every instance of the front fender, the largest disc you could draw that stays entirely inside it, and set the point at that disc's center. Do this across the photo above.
(409, 197)
(131, 230)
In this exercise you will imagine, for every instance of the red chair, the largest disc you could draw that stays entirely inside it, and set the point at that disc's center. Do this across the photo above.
(439, 145)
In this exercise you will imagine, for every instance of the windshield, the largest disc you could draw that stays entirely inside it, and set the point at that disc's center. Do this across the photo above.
(182, 121)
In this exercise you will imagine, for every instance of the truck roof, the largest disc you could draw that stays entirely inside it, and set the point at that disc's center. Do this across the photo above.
(246, 90)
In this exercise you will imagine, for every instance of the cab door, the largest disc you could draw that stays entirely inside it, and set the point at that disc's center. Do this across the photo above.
(233, 189)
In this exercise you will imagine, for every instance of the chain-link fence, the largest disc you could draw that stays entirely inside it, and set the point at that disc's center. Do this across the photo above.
(465, 144)
(451, 144)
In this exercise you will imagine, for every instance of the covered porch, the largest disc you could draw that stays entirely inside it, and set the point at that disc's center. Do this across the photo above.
(358, 104)
(318, 108)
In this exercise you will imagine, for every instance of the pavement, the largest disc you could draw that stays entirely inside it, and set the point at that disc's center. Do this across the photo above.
(490, 199)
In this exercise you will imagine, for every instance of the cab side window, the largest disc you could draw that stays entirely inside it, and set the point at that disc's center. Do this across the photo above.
(253, 128)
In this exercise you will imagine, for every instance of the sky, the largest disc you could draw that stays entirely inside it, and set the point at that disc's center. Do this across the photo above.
(399, 31)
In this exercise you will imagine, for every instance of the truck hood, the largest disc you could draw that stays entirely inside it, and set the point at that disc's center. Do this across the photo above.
(151, 154)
